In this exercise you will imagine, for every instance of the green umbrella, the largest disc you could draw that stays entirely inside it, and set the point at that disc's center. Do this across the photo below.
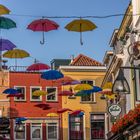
(6, 23)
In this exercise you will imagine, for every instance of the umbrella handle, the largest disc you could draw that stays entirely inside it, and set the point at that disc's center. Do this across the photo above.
(43, 40)
(81, 42)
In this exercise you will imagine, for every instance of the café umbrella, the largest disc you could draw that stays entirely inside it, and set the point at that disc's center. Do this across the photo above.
(80, 25)
(80, 87)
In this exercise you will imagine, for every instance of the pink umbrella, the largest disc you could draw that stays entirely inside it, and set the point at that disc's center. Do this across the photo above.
(43, 25)
(76, 112)
(38, 67)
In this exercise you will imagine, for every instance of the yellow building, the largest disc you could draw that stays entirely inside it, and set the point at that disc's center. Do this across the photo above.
(91, 122)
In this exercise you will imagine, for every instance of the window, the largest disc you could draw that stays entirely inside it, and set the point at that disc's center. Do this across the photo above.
(52, 94)
(89, 97)
(52, 131)
(36, 131)
(97, 126)
(76, 127)
(35, 98)
(22, 90)
(21, 135)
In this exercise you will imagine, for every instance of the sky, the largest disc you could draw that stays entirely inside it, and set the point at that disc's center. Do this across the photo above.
(62, 44)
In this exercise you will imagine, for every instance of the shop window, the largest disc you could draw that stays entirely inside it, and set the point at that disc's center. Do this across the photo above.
(36, 131)
(89, 97)
(32, 97)
(52, 131)
(51, 94)
(21, 90)
(76, 127)
(97, 126)
(21, 135)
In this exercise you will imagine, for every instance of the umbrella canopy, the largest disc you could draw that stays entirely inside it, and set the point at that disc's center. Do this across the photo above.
(83, 87)
(43, 106)
(6, 23)
(4, 10)
(10, 91)
(19, 95)
(80, 25)
(6, 45)
(63, 110)
(66, 93)
(38, 67)
(75, 82)
(20, 119)
(16, 53)
(65, 79)
(86, 92)
(39, 93)
(43, 25)
(52, 75)
(76, 112)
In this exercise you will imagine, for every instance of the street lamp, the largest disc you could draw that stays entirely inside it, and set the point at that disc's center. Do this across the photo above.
(121, 85)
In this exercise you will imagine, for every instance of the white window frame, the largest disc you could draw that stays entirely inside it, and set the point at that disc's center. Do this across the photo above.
(31, 87)
(56, 95)
(19, 132)
(20, 99)
(35, 124)
(93, 94)
(57, 130)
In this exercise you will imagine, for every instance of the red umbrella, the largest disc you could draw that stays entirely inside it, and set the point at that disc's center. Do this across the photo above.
(19, 95)
(38, 67)
(63, 110)
(76, 112)
(43, 25)
(65, 93)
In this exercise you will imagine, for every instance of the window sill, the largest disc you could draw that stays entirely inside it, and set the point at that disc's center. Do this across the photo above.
(19, 100)
(88, 102)
(52, 101)
(35, 100)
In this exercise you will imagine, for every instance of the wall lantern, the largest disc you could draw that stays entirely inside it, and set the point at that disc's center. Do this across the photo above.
(120, 85)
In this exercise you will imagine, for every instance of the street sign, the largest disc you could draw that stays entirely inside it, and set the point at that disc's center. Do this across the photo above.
(5, 131)
(114, 110)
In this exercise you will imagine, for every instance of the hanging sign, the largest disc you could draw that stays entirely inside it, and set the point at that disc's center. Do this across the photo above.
(114, 109)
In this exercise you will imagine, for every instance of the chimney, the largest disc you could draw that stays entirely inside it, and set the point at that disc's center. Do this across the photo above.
(72, 58)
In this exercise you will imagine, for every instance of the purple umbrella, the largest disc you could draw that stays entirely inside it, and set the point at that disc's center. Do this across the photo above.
(6, 45)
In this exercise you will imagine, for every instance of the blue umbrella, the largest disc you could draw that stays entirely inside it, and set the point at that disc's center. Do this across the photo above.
(52, 75)
(86, 92)
(80, 114)
(10, 91)
(20, 119)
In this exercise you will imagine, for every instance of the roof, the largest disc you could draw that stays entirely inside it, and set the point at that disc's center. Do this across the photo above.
(82, 60)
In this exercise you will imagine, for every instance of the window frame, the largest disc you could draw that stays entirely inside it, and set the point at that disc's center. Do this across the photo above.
(55, 93)
(35, 100)
(92, 95)
(57, 126)
(20, 99)
(19, 132)
(36, 124)
(96, 121)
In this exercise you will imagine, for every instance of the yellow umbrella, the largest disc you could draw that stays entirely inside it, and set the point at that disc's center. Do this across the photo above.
(80, 25)
(107, 86)
(16, 53)
(4, 10)
(39, 93)
(83, 87)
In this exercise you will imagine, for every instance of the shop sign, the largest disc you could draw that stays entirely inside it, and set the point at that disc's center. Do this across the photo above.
(114, 109)
(4, 123)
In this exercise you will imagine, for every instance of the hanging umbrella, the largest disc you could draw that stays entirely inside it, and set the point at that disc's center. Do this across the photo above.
(6, 45)
(80, 25)
(52, 75)
(16, 53)
(4, 10)
(43, 25)
(86, 92)
(39, 93)
(65, 93)
(65, 79)
(10, 91)
(74, 82)
(20, 119)
(19, 95)
(43, 106)
(6, 23)
(63, 110)
(38, 67)
(76, 112)
(83, 87)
